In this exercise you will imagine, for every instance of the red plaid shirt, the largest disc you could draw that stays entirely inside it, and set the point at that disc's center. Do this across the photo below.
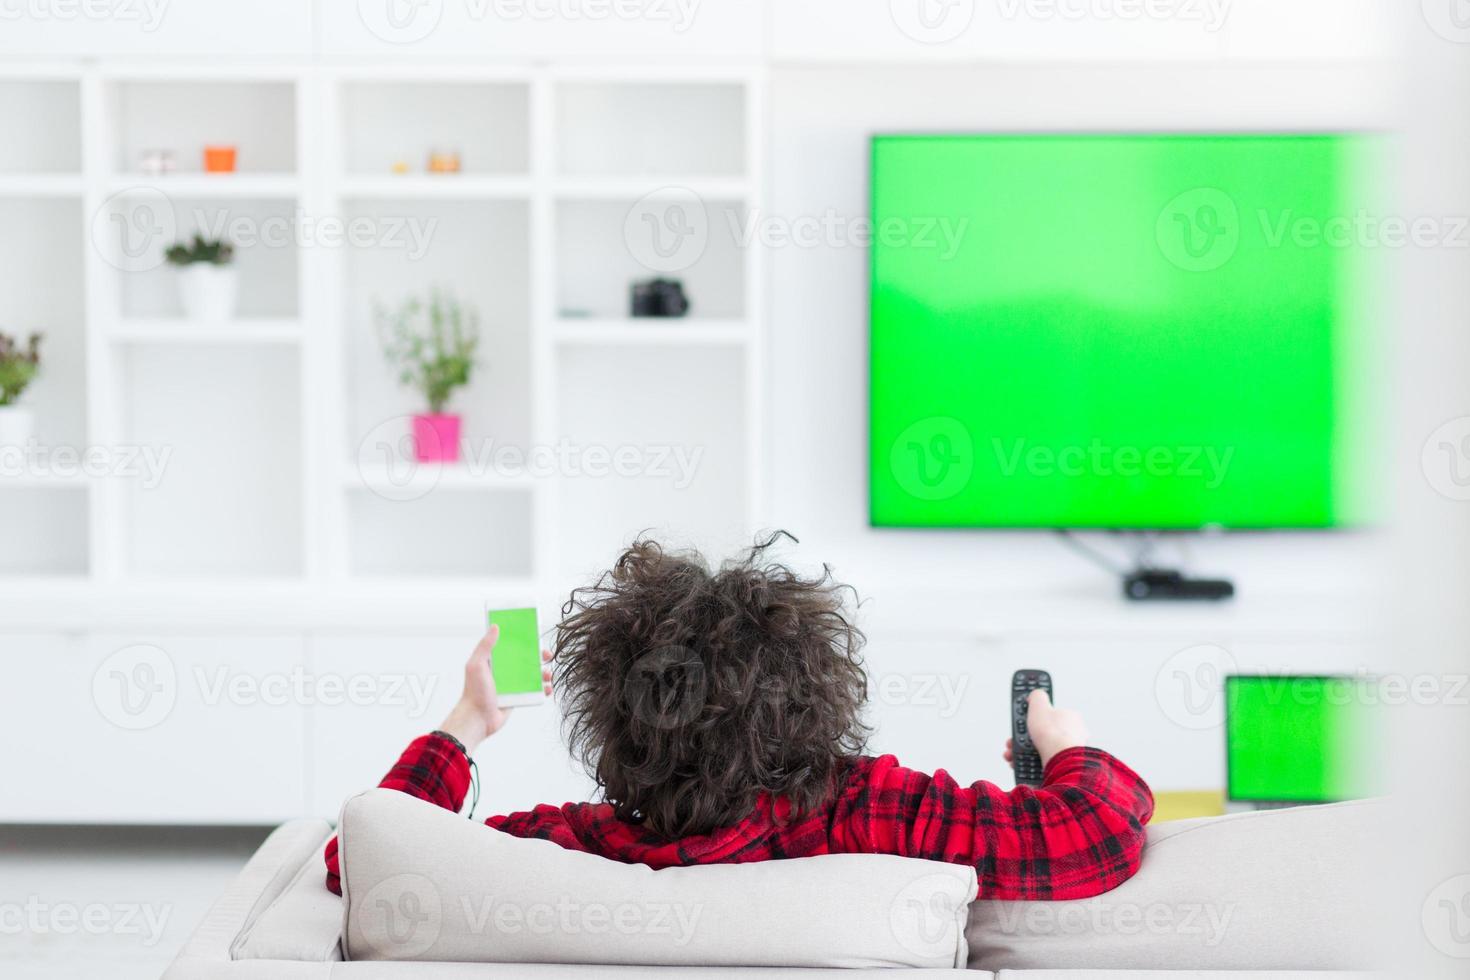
(1078, 835)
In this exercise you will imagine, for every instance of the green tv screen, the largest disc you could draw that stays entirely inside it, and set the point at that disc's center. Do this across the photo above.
(1115, 331)
(1300, 739)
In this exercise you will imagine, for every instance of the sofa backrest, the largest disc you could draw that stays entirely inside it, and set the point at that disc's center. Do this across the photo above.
(421, 883)
(1289, 889)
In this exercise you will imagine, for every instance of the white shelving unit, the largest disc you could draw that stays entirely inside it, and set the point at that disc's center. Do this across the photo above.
(284, 430)
(45, 514)
(290, 532)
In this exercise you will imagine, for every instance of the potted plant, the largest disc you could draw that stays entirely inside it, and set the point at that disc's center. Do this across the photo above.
(18, 366)
(207, 283)
(432, 345)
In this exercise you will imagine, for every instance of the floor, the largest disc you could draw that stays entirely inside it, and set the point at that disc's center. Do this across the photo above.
(113, 902)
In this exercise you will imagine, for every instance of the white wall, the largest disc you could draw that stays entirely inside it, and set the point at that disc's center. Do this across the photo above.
(1080, 30)
(785, 30)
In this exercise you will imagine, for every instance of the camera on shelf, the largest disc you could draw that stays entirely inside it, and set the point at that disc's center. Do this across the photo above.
(659, 297)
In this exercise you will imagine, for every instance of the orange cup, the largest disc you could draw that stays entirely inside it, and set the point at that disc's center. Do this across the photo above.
(219, 159)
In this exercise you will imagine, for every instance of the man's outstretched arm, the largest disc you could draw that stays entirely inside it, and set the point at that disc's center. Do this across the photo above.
(1079, 834)
(436, 767)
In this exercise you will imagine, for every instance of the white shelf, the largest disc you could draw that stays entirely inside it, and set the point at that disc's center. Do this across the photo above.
(437, 187)
(189, 185)
(265, 330)
(41, 185)
(44, 481)
(413, 478)
(674, 331)
(652, 186)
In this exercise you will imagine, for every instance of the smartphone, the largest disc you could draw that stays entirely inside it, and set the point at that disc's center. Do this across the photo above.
(516, 662)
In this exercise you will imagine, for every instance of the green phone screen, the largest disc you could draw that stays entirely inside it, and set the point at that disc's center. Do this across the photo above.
(517, 660)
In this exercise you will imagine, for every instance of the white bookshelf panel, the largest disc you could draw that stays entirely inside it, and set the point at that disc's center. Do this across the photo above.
(229, 503)
(41, 120)
(268, 235)
(180, 330)
(41, 292)
(478, 250)
(231, 186)
(44, 530)
(676, 417)
(652, 331)
(447, 532)
(487, 124)
(457, 187)
(604, 246)
(653, 129)
(257, 117)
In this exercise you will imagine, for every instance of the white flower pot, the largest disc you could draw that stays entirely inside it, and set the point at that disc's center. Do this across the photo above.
(16, 424)
(207, 291)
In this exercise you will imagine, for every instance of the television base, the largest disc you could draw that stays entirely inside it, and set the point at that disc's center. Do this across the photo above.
(1161, 584)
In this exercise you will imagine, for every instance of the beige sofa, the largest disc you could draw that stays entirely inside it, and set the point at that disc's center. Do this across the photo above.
(429, 894)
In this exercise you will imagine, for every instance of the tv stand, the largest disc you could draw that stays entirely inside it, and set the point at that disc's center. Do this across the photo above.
(1144, 582)
(1149, 584)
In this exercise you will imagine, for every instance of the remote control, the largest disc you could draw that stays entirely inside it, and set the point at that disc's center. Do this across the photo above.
(1024, 757)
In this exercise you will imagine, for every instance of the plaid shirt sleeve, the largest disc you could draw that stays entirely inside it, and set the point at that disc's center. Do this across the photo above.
(432, 768)
(1077, 835)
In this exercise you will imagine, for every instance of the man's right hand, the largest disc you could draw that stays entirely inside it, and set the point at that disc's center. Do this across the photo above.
(1053, 729)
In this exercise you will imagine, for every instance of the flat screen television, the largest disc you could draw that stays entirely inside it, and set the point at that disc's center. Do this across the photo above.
(1117, 331)
(1300, 739)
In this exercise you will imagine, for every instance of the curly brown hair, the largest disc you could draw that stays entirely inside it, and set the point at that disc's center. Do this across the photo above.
(689, 692)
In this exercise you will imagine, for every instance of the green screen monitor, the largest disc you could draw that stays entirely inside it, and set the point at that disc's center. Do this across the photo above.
(1298, 739)
(1116, 331)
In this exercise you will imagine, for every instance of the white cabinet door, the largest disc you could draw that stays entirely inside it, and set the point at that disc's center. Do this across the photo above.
(142, 728)
(404, 686)
(42, 697)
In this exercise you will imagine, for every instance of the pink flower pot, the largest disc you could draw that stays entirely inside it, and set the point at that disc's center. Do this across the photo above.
(436, 438)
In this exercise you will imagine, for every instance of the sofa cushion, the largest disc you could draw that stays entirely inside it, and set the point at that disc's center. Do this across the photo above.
(1284, 889)
(422, 883)
(303, 924)
(251, 895)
